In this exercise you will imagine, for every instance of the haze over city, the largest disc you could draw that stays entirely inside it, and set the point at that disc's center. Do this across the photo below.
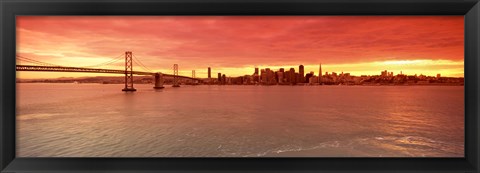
(359, 45)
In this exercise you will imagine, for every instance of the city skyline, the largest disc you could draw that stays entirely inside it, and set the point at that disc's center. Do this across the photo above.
(233, 45)
(290, 76)
(285, 76)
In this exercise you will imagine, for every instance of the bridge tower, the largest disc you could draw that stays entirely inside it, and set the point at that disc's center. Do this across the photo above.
(193, 77)
(175, 76)
(158, 81)
(128, 72)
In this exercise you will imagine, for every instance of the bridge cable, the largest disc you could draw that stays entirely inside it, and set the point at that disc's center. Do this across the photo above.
(22, 58)
(141, 64)
(142, 67)
(109, 62)
(114, 60)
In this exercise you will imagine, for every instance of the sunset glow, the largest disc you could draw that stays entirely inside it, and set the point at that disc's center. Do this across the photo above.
(359, 45)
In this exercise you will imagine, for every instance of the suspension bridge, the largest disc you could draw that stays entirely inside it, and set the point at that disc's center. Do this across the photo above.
(130, 59)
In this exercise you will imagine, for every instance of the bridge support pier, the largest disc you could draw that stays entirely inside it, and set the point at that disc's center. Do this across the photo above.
(158, 81)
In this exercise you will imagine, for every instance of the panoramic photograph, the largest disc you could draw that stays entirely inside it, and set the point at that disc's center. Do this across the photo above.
(240, 86)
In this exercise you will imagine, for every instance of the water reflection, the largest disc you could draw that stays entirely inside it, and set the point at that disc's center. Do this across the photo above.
(239, 121)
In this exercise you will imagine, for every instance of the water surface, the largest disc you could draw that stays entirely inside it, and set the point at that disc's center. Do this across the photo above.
(95, 120)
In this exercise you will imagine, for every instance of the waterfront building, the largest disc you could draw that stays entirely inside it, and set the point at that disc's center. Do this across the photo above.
(292, 76)
(334, 77)
(239, 80)
(313, 80)
(297, 78)
(280, 77)
(320, 74)
(301, 72)
(263, 76)
(256, 77)
(308, 76)
(384, 73)
(271, 77)
(224, 79)
(209, 80)
(209, 73)
(275, 75)
(247, 80)
(268, 76)
(286, 75)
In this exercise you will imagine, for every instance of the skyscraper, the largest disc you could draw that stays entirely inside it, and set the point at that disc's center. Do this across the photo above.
(279, 75)
(320, 74)
(224, 79)
(267, 75)
(302, 74)
(263, 76)
(219, 77)
(256, 77)
(286, 76)
(209, 73)
(292, 75)
(384, 73)
(308, 76)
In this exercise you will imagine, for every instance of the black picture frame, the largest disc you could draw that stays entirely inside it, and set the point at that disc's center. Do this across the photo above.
(11, 8)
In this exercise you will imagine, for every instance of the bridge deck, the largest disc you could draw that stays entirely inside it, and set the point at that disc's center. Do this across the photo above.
(86, 70)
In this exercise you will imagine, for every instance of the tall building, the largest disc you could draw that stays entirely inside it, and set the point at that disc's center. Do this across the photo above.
(302, 74)
(280, 77)
(256, 77)
(313, 79)
(224, 79)
(308, 76)
(219, 77)
(286, 76)
(320, 74)
(384, 73)
(297, 78)
(271, 77)
(267, 75)
(292, 75)
(209, 73)
(263, 76)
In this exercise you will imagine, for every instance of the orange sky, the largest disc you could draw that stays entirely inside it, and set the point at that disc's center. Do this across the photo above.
(235, 45)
